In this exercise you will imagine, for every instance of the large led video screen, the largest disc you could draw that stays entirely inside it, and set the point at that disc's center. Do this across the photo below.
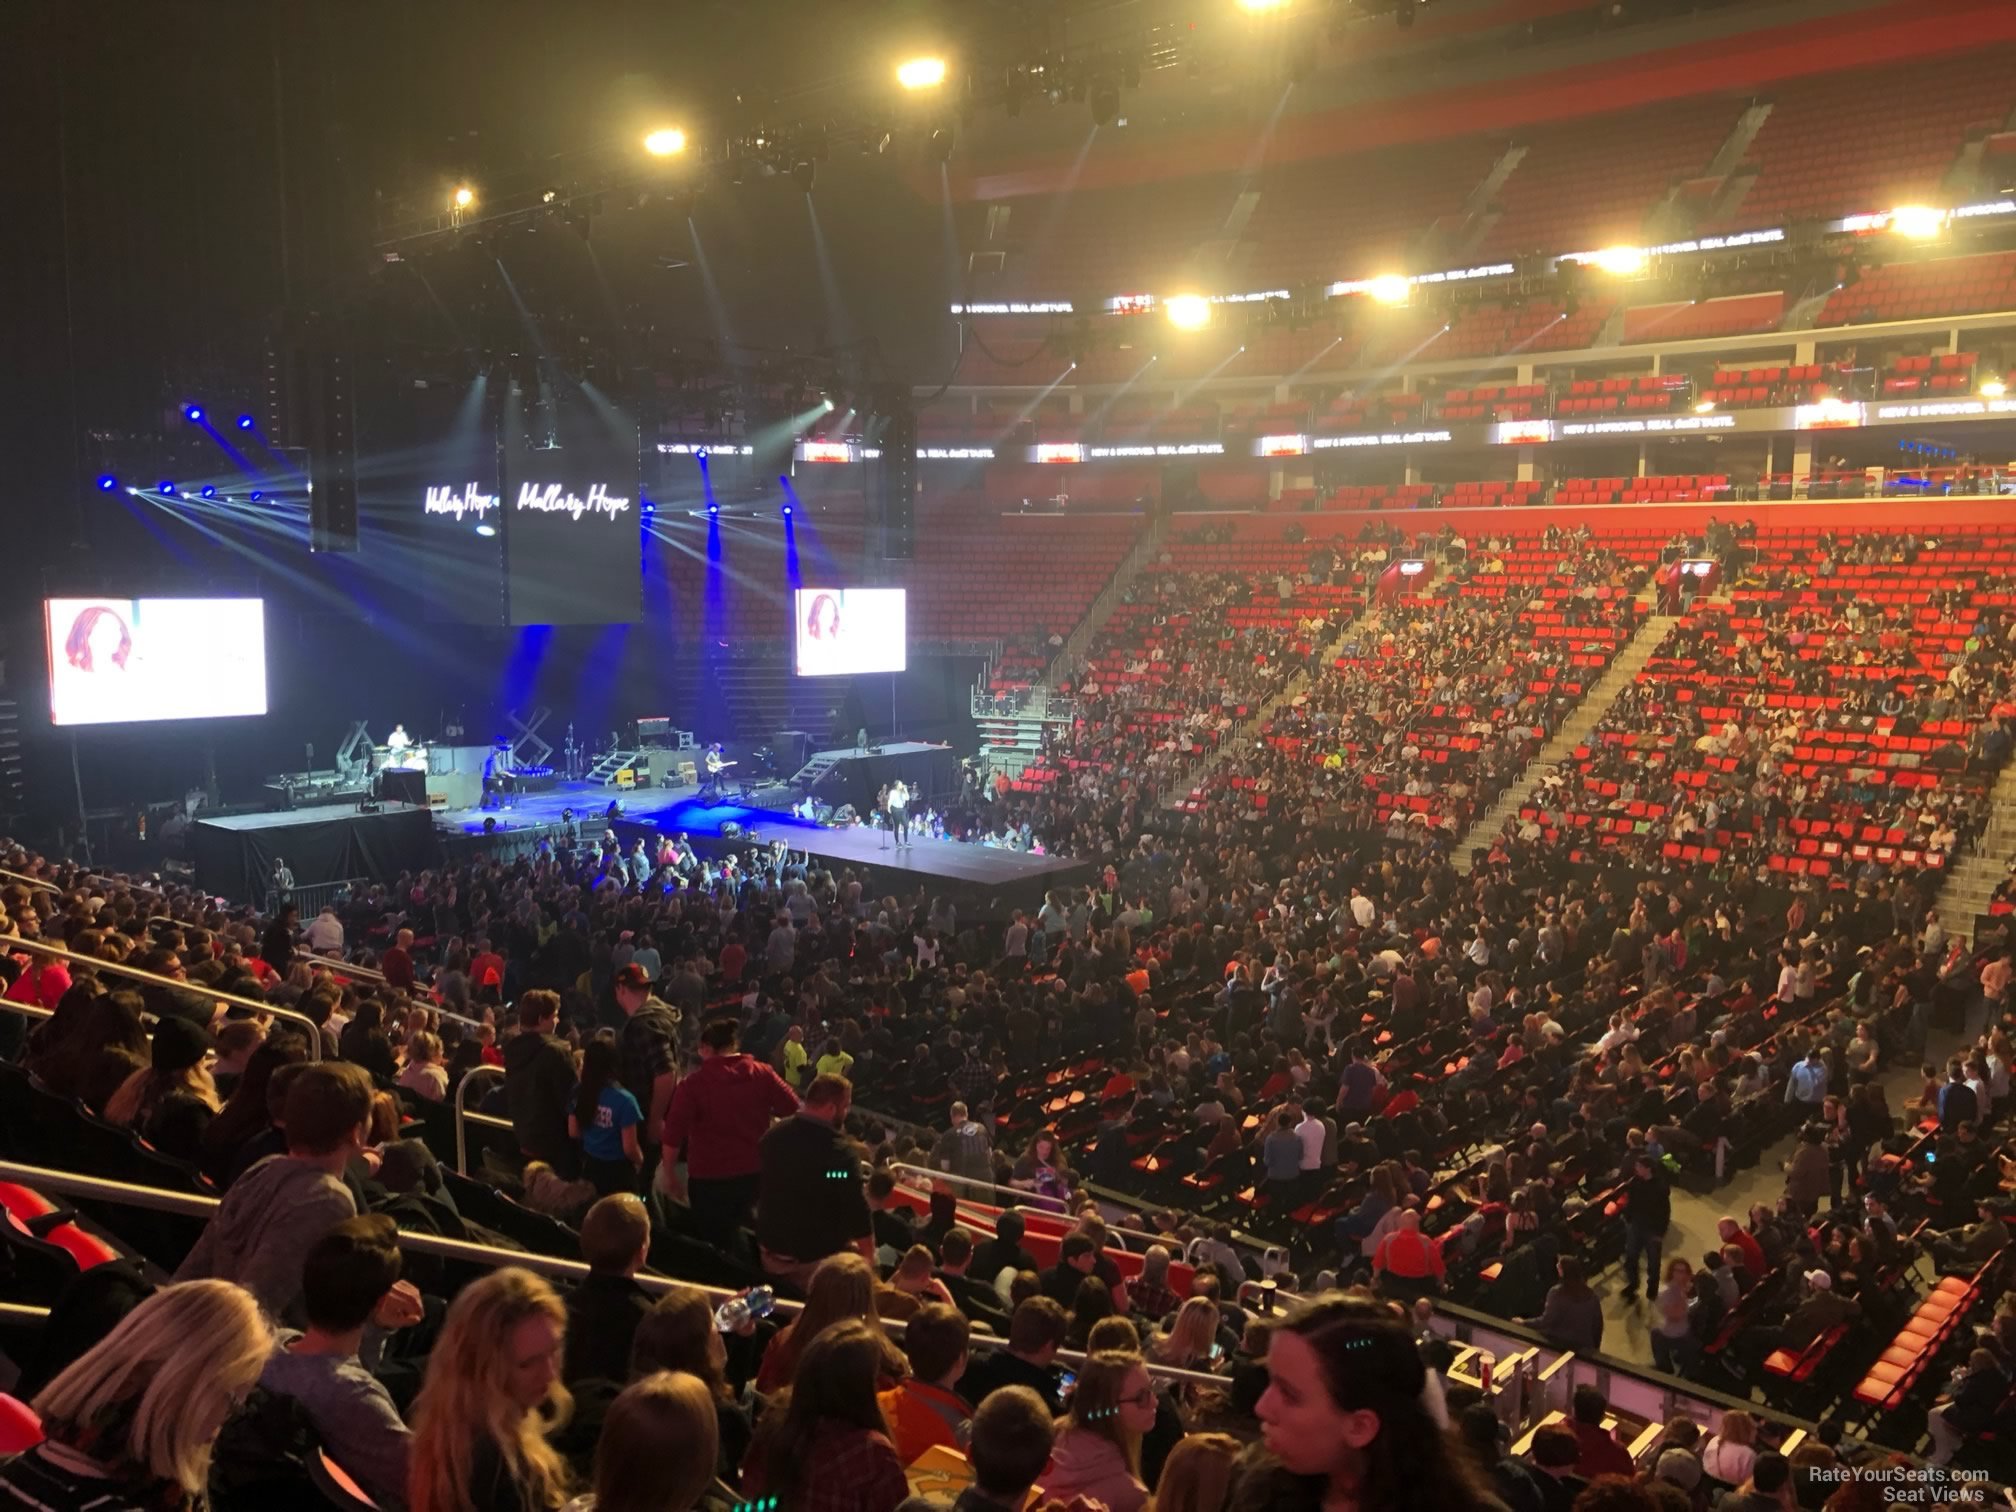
(845, 630)
(124, 661)
(572, 514)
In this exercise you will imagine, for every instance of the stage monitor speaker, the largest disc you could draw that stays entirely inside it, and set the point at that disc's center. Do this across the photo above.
(895, 500)
(328, 410)
(731, 831)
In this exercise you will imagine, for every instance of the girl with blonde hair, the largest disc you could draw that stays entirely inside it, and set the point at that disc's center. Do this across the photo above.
(424, 1074)
(1191, 1338)
(1197, 1476)
(491, 1395)
(1731, 1453)
(132, 1421)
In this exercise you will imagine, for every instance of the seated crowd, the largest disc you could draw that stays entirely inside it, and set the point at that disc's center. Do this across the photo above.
(1424, 1080)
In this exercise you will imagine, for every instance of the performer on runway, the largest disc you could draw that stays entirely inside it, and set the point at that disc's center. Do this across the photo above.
(899, 811)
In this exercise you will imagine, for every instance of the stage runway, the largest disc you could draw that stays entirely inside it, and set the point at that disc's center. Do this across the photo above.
(1015, 879)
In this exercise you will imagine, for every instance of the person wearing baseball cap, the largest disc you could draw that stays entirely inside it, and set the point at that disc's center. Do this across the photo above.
(1820, 1308)
(650, 1052)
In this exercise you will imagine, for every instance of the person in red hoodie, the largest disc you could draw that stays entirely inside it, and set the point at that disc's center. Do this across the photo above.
(397, 962)
(1601, 1453)
(483, 962)
(719, 1115)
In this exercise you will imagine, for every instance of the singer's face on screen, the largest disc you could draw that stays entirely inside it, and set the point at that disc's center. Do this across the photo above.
(824, 621)
(98, 641)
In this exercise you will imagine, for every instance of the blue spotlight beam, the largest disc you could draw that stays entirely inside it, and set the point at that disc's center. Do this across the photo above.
(791, 572)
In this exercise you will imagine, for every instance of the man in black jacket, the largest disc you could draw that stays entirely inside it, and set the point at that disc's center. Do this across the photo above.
(1076, 1258)
(604, 1310)
(1648, 1210)
(1004, 1251)
(811, 1201)
(539, 1083)
(977, 1299)
(1035, 1334)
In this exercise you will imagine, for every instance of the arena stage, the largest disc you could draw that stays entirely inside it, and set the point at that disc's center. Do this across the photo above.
(1009, 878)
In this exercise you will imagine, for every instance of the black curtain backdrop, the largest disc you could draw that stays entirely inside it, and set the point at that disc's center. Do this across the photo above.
(933, 775)
(234, 857)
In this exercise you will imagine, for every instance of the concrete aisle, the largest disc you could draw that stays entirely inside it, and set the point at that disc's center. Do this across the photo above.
(1627, 1320)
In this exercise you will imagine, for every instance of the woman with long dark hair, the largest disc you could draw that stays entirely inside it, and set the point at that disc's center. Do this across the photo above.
(679, 1334)
(365, 1042)
(842, 1287)
(1093, 1303)
(825, 1446)
(657, 1449)
(246, 1115)
(822, 622)
(1353, 1421)
(109, 1045)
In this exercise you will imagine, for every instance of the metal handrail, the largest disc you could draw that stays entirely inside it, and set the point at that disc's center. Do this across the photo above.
(21, 1312)
(349, 966)
(1020, 1195)
(463, 1115)
(189, 1204)
(26, 1010)
(126, 882)
(44, 884)
(116, 968)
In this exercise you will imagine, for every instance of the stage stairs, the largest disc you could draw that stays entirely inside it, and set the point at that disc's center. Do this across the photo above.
(808, 777)
(1618, 676)
(1970, 886)
(607, 766)
(1191, 784)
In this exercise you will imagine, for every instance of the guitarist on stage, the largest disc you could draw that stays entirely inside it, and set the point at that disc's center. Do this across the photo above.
(715, 764)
